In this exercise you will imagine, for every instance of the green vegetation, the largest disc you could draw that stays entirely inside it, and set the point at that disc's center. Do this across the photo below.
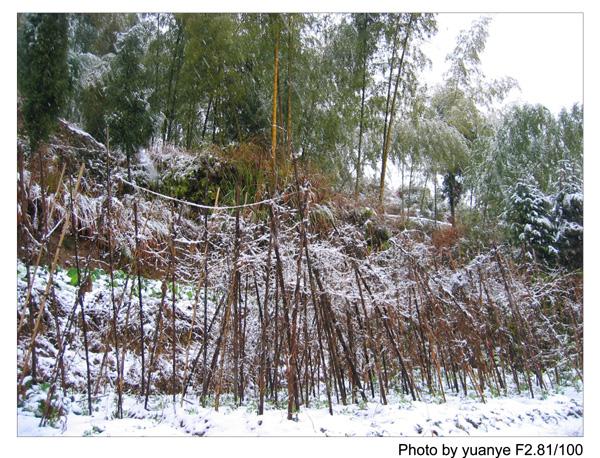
(196, 80)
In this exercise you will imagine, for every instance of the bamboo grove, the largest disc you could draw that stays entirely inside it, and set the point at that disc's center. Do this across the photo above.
(274, 304)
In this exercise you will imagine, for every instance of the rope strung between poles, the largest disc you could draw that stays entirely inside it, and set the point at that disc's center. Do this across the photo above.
(209, 207)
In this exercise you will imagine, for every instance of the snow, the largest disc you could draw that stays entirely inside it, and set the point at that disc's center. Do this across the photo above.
(421, 221)
(93, 68)
(557, 414)
(145, 162)
(78, 131)
(572, 199)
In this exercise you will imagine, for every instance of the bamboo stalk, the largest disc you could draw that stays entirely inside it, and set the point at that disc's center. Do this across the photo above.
(42, 306)
(119, 381)
(201, 351)
(155, 338)
(173, 309)
(274, 108)
(40, 254)
(330, 316)
(264, 320)
(80, 299)
(139, 279)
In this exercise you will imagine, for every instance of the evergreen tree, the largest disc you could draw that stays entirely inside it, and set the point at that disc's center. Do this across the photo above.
(569, 219)
(43, 76)
(452, 189)
(43, 82)
(129, 115)
(529, 218)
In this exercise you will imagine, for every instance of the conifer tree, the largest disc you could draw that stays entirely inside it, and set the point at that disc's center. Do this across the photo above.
(130, 121)
(529, 215)
(452, 189)
(43, 75)
(569, 219)
(43, 81)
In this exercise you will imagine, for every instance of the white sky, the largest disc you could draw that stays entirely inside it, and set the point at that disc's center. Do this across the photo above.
(542, 51)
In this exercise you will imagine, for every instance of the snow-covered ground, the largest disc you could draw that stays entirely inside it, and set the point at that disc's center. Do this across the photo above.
(556, 415)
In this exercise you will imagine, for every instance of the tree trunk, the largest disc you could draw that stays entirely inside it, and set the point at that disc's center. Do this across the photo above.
(410, 182)
(216, 107)
(362, 107)
(210, 101)
(174, 71)
(30, 322)
(289, 91)
(43, 218)
(264, 320)
(389, 84)
(155, 339)
(274, 108)
(402, 188)
(386, 144)
(435, 212)
(205, 304)
(423, 193)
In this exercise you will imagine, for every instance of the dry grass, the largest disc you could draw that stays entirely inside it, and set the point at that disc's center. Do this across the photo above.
(446, 237)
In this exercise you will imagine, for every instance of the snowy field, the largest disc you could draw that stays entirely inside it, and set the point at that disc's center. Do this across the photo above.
(556, 415)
